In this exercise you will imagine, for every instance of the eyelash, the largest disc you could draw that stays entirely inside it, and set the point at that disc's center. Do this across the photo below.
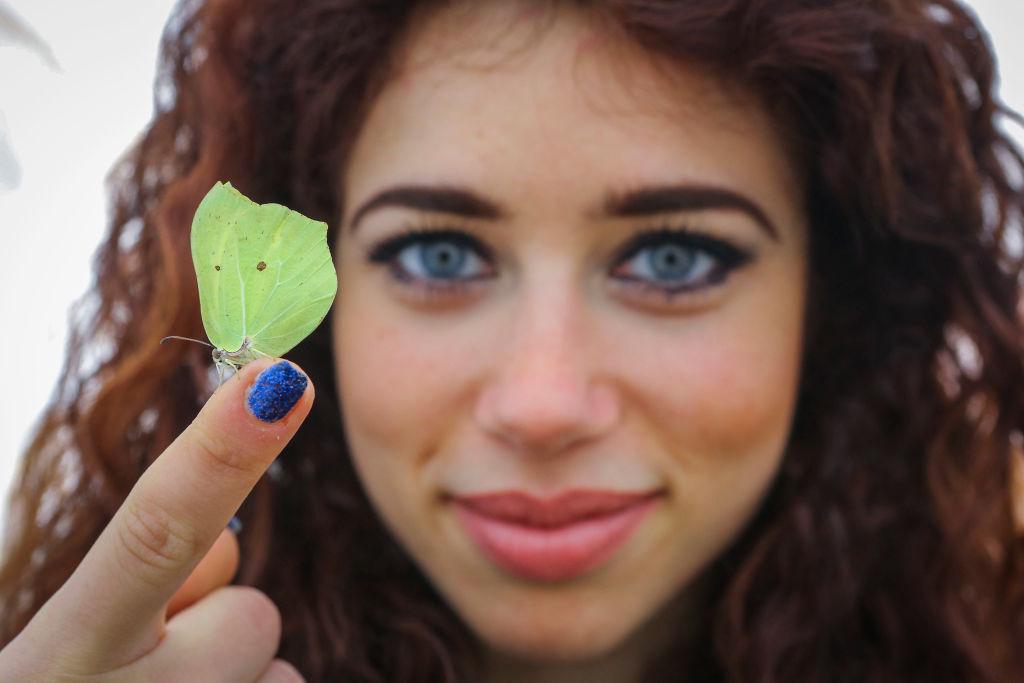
(726, 256)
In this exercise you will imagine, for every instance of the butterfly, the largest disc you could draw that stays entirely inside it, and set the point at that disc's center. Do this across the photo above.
(266, 278)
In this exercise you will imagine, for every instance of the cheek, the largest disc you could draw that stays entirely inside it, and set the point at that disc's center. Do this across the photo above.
(742, 395)
(724, 393)
(402, 384)
(390, 383)
(720, 404)
(386, 375)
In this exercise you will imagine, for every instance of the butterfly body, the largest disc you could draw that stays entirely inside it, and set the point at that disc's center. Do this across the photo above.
(235, 359)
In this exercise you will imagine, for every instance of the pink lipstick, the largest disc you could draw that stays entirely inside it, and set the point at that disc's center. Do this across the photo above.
(556, 539)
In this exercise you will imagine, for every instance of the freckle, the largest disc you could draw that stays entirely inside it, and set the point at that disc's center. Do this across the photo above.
(261, 266)
(527, 14)
(587, 43)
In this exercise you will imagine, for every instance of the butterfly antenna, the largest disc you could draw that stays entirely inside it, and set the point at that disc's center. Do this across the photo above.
(185, 339)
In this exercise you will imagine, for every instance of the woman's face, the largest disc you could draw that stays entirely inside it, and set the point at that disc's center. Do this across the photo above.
(614, 302)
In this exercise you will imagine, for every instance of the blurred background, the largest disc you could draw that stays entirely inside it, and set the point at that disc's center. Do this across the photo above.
(75, 90)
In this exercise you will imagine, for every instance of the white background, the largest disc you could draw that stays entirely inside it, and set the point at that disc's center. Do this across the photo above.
(67, 127)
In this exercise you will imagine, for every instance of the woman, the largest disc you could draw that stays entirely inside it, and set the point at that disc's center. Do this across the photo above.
(748, 270)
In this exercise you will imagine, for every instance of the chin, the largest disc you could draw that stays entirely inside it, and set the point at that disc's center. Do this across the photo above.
(547, 635)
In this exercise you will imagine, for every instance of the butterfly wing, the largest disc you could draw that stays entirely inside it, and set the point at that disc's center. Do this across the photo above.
(288, 274)
(216, 258)
(264, 272)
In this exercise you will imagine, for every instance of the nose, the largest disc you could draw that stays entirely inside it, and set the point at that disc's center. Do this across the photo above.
(545, 394)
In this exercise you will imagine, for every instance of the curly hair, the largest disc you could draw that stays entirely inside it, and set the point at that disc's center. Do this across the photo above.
(885, 549)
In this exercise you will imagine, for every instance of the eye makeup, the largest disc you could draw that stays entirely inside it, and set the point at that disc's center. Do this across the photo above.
(710, 259)
(693, 260)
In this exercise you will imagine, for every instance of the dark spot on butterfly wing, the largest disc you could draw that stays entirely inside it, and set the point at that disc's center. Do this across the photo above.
(216, 267)
(261, 266)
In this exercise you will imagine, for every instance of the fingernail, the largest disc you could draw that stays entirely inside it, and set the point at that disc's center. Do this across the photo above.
(275, 391)
(235, 524)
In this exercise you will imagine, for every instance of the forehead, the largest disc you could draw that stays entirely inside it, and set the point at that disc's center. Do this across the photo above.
(478, 88)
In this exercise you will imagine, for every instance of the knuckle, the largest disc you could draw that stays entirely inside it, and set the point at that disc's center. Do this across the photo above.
(219, 456)
(153, 541)
(281, 671)
(258, 611)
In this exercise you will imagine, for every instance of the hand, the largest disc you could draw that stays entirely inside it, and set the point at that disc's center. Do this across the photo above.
(144, 604)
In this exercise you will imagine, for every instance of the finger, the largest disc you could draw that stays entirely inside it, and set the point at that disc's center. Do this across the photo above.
(216, 569)
(230, 635)
(1017, 488)
(281, 671)
(112, 607)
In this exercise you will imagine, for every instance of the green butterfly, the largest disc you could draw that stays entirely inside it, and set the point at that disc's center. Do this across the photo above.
(265, 274)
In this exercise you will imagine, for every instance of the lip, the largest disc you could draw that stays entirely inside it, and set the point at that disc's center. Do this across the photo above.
(555, 539)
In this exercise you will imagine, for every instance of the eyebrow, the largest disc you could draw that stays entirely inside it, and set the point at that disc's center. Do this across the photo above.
(644, 201)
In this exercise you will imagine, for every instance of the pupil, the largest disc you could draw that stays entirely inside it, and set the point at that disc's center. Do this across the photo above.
(671, 261)
(444, 258)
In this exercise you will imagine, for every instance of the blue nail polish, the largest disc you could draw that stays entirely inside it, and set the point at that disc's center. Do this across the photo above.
(275, 391)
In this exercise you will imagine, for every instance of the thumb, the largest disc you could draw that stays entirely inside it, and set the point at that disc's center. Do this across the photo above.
(216, 569)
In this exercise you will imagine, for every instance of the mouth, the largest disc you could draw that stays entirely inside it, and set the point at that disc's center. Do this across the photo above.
(552, 540)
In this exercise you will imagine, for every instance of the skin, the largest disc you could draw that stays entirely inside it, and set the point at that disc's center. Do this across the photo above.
(552, 372)
(149, 602)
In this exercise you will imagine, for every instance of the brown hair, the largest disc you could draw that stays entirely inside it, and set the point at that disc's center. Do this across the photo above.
(885, 549)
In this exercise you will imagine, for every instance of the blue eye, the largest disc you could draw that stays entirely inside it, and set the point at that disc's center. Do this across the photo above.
(436, 257)
(667, 261)
(673, 261)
